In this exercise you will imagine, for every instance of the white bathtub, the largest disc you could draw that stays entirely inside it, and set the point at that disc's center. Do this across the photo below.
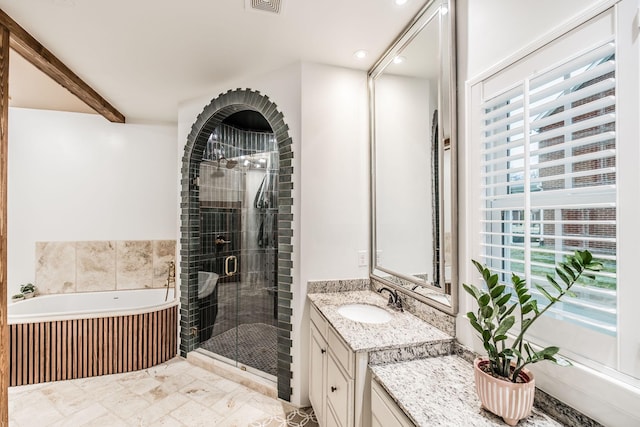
(79, 335)
(89, 305)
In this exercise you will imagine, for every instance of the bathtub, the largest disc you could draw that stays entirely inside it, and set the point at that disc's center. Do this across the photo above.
(79, 335)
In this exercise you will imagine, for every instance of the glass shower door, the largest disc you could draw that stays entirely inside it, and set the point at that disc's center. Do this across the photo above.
(238, 231)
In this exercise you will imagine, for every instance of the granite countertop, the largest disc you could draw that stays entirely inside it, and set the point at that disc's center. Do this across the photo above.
(441, 391)
(403, 330)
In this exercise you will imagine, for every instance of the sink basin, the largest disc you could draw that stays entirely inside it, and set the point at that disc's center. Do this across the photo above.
(364, 313)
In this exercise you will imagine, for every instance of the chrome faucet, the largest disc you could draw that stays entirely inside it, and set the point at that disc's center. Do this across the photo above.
(171, 278)
(395, 301)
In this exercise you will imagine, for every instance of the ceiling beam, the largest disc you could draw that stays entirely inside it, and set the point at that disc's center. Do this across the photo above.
(34, 52)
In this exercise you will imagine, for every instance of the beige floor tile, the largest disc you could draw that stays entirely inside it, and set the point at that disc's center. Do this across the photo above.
(66, 396)
(166, 421)
(124, 404)
(158, 410)
(194, 414)
(204, 393)
(214, 379)
(169, 384)
(173, 394)
(34, 409)
(140, 386)
(268, 405)
(229, 403)
(82, 417)
(242, 416)
(96, 388)
(106, 420)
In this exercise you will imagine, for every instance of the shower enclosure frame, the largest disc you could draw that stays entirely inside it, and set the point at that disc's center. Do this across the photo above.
(212, 115)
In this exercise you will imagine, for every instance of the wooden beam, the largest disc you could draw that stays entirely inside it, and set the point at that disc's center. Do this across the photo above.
(34, 52)
(4, 144)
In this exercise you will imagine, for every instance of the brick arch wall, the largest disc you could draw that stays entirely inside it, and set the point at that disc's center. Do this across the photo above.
(211, 116)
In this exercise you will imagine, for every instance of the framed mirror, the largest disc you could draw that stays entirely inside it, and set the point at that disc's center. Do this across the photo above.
(413, 160)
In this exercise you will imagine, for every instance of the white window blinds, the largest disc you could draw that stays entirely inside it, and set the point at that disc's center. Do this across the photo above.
(549, 180)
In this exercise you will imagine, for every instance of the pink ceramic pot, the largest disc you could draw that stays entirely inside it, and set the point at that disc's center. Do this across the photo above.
(511, 401)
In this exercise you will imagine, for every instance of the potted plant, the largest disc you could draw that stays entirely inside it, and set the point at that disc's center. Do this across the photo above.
(28, 290)
(503, 383)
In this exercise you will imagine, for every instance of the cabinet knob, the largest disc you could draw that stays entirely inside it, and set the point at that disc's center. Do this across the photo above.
(323, 351)
(333, 389)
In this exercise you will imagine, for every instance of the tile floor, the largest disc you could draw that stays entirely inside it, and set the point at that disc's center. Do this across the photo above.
(175, 393)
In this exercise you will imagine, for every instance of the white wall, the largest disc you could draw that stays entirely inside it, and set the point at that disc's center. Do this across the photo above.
(334, 189)
(404, 236)
(76, 177)
(489, 32)
(326, 110)
(334, 173)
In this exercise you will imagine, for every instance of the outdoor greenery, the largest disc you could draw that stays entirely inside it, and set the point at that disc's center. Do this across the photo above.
(495, 315)
(549, 259)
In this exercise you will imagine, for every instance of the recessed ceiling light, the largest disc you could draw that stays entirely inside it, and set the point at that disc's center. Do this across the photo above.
(360, 54)
(400, 2)
(398, 60)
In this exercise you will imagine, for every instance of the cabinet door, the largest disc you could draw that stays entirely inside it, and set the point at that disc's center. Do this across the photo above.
(339, 392)
(384, 411)
(317, 373)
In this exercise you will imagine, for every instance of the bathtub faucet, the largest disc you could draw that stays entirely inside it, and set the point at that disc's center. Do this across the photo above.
(171, 278)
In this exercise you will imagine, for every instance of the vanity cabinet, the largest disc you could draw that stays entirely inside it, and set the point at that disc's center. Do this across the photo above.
(331, 375)
(318, 373)
(384, 411)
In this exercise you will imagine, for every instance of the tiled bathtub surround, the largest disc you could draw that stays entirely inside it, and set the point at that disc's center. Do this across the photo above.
(102, 265)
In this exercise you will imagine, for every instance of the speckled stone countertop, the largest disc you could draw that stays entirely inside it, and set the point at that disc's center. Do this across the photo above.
(404, 330)
(440, 391)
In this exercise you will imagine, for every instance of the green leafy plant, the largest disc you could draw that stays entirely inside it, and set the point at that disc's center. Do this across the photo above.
(29, 287)
(495, 316)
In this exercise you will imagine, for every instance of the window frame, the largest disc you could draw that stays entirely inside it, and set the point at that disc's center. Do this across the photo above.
(604, 393)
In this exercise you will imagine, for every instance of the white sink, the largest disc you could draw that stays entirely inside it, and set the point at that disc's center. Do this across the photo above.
(364, 313)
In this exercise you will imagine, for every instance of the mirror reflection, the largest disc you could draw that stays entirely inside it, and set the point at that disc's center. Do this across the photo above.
(413, 172)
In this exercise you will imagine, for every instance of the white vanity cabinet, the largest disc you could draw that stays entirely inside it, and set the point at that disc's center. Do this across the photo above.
(331, 375)
(318, 373)
(384, 411)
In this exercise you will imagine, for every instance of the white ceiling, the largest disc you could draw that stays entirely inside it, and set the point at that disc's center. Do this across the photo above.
(146, 56)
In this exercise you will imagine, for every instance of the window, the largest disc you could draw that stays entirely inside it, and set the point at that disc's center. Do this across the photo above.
(556, 132)
(549, 180)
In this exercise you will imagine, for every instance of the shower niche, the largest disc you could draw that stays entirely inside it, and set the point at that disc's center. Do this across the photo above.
(237, 182)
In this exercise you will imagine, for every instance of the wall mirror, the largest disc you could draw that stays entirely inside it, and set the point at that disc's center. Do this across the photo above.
(413, 160)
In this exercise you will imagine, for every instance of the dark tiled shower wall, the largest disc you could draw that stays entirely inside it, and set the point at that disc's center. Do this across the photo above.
(212, 116)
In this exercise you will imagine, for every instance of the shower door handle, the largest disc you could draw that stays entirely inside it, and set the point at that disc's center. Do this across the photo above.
(226, 265)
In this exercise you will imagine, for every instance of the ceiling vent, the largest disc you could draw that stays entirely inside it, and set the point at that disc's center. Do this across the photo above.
(270, 6)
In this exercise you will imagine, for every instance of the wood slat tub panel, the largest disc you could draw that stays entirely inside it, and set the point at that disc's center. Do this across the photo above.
(80, 348)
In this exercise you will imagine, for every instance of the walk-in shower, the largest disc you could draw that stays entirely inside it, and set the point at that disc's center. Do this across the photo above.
(238, 272)
(236, 244)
